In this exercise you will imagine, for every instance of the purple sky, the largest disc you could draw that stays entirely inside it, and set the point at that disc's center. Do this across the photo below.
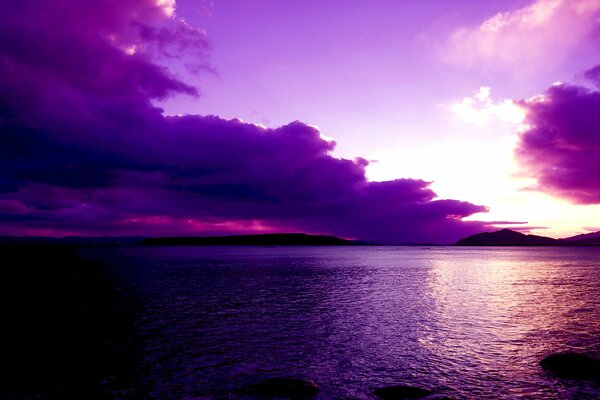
(456, 93)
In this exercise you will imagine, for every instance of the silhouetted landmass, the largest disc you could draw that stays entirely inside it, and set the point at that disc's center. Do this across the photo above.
(68, 329)
(581, 242)
(504, 237)
(507, 237)
(593, 235)
(586, 239)
(74, 240)
(273, 239)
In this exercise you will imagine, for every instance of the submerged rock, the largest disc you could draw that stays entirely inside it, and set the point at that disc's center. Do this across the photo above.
(291, 388)
(572, 365)
(399, 392)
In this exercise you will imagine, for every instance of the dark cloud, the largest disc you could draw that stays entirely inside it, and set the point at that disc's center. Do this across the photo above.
(83, 149)
(561, 147)
(593, 74)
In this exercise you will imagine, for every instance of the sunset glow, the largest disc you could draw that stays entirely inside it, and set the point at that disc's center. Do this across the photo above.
(300, 199)
(223, 113)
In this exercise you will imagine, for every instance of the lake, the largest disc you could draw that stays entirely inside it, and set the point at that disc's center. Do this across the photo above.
(468, 323)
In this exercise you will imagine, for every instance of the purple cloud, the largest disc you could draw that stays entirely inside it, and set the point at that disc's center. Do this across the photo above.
(561, 147)
(83, 150)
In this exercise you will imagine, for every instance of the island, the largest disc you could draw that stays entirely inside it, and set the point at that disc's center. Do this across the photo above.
(270, 239)
(508, 237)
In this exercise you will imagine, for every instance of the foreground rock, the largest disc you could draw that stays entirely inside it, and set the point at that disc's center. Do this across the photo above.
(399, 392)
(572, 365)
(291, 388)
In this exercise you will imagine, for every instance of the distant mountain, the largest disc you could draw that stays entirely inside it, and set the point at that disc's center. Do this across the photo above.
(273, 239)
(507, 237)
(589, 239)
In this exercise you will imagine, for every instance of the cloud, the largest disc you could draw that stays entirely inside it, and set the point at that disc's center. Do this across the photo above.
(544, 32)
(560, 143)
(221, 175)
(83, 150)
(480, 108)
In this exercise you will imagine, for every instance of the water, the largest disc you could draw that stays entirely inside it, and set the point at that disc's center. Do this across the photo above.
(468, 323)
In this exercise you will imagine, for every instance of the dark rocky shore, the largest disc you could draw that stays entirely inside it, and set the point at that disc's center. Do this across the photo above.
(68, 329)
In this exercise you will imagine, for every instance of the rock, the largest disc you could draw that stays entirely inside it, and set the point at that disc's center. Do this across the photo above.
(291, 388)
(440, 398)
(572, 365)
(399, 392)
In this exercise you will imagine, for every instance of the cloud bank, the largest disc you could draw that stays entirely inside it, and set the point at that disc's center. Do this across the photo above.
(560, 143)
(531, 37)
(83, 150)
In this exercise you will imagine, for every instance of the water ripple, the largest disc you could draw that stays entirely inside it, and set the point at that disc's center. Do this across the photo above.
(468, 323)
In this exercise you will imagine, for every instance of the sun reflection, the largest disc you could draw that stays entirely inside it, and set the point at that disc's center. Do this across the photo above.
(509, 305)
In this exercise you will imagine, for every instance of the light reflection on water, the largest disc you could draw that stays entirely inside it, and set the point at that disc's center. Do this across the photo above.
(468, 323)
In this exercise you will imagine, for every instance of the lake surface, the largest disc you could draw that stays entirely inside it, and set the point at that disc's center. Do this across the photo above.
(468, 323)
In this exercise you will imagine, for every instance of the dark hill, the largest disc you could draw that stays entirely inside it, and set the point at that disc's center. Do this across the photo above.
(507, 237)
(273, 239)
(581, 242)
(586, 239)
(593, 235)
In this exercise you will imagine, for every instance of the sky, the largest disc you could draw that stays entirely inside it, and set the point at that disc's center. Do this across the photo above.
(401, 122)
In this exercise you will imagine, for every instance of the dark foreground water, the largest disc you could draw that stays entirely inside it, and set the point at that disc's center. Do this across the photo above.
(466, 323)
